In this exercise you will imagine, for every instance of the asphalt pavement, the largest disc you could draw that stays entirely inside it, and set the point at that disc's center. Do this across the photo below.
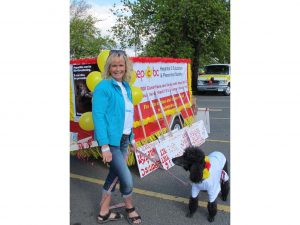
(159, 198)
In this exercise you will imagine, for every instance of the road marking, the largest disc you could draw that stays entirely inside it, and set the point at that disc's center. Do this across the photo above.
(203, 204)
(222, 141)
(219, 107)
(211, 110)
(215, 118)
(213, 100)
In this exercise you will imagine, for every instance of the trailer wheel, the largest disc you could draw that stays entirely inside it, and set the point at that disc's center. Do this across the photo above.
(176, 124)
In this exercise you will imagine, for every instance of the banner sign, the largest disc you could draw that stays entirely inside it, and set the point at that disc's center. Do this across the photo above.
(160, 77)
(145, 165)
(197, 133)
(184, 140)
(163, 79)
(173, 145)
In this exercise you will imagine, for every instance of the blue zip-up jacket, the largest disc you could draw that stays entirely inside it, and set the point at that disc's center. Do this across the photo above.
(108, 110)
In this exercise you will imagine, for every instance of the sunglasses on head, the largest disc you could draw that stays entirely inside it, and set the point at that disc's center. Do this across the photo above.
(117, 52)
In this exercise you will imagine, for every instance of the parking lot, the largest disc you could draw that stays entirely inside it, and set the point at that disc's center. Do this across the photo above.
(159, 198)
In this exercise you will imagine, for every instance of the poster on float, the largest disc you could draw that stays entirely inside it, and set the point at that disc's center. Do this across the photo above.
(82, 95)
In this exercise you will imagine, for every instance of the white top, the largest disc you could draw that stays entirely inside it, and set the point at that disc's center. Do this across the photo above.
(128, 122)
(212, 183)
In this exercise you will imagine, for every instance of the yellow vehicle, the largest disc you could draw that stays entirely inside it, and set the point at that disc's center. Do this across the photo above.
(216, 77)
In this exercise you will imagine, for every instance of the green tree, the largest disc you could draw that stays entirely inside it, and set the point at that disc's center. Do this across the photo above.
(196, 29)
(85, 37)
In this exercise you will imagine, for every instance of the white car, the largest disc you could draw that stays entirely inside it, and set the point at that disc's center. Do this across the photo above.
(216, 77)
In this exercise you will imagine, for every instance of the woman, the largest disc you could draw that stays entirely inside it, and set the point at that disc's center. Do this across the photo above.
(113, 120)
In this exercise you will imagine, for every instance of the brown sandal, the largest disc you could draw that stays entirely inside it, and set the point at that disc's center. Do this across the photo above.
(131, 220)
(105, 218)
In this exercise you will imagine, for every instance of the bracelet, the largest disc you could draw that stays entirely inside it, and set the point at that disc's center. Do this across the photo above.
(106, 149)
(132, 142)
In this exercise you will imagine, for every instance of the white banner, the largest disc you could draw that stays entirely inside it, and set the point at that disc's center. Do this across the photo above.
(173, 146)
(197, 133)
(145, 165)
(160, 77)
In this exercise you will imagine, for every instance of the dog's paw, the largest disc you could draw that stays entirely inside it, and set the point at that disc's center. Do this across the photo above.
(210, 219)
(224, 198)
(189, 215)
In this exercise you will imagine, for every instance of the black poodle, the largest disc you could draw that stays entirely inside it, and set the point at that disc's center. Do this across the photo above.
(207, 173)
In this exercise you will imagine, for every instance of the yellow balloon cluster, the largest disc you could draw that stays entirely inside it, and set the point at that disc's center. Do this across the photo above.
(101, 59)
(86, 121)
(137, 95)
(93, 79)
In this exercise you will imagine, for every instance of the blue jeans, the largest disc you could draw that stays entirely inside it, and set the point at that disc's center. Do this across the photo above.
(118, 168)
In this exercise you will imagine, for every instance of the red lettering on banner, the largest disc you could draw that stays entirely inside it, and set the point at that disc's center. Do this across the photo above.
(149, 169)
(195, 137)
(142, 159)
(164, 158)
(163, 151)
(152, 152)
(167, 165)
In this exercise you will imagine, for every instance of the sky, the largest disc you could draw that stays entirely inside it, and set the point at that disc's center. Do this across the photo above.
(100, 9)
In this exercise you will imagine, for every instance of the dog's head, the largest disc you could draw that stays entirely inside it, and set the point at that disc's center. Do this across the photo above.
(193, 160)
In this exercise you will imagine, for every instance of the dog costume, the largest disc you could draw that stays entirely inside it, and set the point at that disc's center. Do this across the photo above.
(208, 173)
(212, 184)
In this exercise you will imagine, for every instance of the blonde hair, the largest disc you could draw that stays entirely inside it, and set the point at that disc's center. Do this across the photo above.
(128, 65)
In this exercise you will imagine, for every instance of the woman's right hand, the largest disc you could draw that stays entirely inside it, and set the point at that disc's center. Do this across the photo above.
(106, 155)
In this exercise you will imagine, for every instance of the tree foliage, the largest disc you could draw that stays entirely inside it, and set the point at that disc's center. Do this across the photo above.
(196, 29)
(85, 37)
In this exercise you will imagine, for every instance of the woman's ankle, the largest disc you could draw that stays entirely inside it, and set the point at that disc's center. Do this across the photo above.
(103, 212)
(128, 202)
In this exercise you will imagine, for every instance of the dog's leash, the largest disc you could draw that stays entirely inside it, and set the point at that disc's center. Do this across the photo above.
(160, 166)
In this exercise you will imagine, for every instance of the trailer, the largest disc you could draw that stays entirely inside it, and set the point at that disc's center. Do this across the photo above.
(166, 103)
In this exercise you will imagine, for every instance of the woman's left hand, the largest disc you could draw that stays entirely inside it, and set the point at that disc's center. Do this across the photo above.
(133, 147)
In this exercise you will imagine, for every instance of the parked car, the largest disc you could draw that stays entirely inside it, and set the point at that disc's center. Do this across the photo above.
(216, 77)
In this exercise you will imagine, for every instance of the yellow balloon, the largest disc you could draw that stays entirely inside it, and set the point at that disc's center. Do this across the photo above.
(101, 59)
(86, 121)
(133, 77)
(93, 79)
(137, 95)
